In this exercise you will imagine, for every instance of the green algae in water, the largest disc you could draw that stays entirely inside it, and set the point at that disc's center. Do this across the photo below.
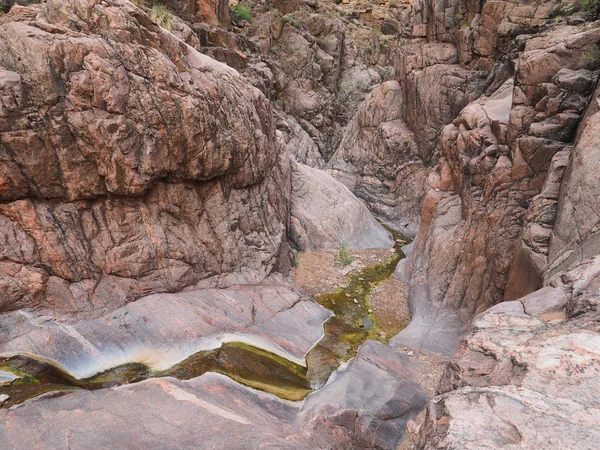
(350, 304)
(247, 365)
(250, 366)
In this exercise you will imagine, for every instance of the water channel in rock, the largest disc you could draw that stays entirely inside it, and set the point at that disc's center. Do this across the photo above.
(352, 325)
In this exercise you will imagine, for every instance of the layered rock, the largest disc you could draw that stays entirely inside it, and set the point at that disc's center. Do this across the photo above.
(162, 330)
(128, 168)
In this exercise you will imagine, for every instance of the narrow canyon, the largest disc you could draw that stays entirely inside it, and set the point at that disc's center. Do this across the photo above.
(299, 224)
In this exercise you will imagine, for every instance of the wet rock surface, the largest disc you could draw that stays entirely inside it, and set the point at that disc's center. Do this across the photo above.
(164, 329)
(352, 412)
(145, 197)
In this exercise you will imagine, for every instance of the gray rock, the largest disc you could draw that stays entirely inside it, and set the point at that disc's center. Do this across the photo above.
(325, 214)
(365, 405)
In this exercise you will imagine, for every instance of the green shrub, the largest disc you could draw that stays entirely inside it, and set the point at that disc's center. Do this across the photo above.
(343, 256)
(241, 13)
(592, 57)
(162, 16)
(293, 22)
(587, 5)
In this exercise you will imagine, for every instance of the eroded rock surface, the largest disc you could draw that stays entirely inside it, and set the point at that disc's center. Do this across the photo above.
(366, 406)
(527, 365)
(131, 163)
(163, 329)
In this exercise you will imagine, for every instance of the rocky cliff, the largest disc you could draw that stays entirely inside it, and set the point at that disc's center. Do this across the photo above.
(131, 163)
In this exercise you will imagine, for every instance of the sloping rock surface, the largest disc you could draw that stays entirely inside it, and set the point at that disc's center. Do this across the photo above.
(366, 407)
(164, 329)
(527, 376)
(325, 214)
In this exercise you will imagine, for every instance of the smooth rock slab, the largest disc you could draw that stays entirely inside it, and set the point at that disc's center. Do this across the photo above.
(163, 329)
(364, 406)
(325, 213)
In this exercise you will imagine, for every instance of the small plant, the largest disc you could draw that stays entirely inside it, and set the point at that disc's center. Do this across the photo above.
(295, 263)
(587, 5)
(343, 256)
(318, 59)
(293, 22)
(241, 13)
(139, 2)
(592, 57)
(162, 16)
(340, 89)
(565, 10)
(321, 43)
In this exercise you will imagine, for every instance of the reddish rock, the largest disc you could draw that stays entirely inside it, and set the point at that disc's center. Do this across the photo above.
(128, 169)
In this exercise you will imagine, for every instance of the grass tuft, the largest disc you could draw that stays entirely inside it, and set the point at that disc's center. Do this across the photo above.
(162, 16)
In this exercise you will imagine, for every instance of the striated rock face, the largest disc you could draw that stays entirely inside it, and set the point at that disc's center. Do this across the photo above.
(435, 89)
(131, 166)
(576, 233)
(325, 214)
(520, 166)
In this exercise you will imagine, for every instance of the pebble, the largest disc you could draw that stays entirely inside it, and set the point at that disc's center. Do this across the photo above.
(369, 310)
(347, 295)
(355, 301)
(3, 398)
(361, 279)
(410, 353)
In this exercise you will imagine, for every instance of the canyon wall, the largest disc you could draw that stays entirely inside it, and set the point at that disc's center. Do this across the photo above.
(131, 163)
(501, 158)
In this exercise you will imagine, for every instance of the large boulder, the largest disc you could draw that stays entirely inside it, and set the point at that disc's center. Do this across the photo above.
(131, 166)
(325, 214)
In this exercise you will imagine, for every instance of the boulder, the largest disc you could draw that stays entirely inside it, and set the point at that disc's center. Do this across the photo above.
(325, 214)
